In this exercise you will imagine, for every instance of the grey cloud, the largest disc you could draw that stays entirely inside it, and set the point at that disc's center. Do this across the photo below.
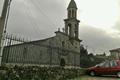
(40, 19)
(117, 26)
(36, 19)
(98, 40)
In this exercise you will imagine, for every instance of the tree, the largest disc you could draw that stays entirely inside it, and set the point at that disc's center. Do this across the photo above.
(84, 59)
(104, 54)
(83, 51)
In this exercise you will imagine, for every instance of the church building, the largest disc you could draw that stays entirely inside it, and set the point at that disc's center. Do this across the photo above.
(61, 49)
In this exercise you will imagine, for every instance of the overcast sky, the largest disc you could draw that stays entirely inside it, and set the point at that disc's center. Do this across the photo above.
(39, 19)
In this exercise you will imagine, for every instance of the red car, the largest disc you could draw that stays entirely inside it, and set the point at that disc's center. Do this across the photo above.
(106, 68)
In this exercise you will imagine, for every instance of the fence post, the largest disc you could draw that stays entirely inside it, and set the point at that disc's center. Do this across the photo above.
(24, 55)
(50, 56)
(2, 36)
(3, 24)
(9, 43)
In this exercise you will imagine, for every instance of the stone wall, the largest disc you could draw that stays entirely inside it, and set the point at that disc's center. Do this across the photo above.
(39, 73)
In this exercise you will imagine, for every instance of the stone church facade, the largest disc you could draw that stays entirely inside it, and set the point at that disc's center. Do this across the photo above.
(64, 45)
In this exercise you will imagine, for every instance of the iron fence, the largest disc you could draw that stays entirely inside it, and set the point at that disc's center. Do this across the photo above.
(25, 52)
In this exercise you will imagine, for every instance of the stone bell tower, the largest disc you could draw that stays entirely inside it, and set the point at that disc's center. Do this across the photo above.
(71, 23)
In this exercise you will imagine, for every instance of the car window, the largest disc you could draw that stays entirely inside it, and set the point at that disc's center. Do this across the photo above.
(118, 62)
(113, 63)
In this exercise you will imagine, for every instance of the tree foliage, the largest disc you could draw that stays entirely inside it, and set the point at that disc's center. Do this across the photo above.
(88, 60)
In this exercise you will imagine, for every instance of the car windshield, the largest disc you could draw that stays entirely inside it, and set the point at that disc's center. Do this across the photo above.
(107, 64)
(101, 64)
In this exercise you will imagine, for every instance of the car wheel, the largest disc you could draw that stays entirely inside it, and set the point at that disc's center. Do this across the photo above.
(118, 74)
(92, 73)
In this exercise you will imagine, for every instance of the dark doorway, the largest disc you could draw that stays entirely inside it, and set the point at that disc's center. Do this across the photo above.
(62, 62)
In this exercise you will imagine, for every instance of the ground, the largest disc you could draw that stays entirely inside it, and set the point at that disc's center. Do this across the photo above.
(98, 78)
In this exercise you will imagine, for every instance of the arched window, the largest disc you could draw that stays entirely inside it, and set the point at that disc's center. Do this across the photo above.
(69, 13)
(62, 62)
(69, 29)
(63, 44)
(76, 30)
(72, 13)
(75, 14)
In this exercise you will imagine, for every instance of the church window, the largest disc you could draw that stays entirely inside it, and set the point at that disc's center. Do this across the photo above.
(76, 30)
(72, 13)
(63, 44)
(69, 29)
(75, 13)
(62, 62)
(69, 13)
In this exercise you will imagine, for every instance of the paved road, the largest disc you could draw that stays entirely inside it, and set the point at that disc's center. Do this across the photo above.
(98, 78)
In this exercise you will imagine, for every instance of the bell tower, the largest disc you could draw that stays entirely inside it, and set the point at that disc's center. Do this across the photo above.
(71, 23)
